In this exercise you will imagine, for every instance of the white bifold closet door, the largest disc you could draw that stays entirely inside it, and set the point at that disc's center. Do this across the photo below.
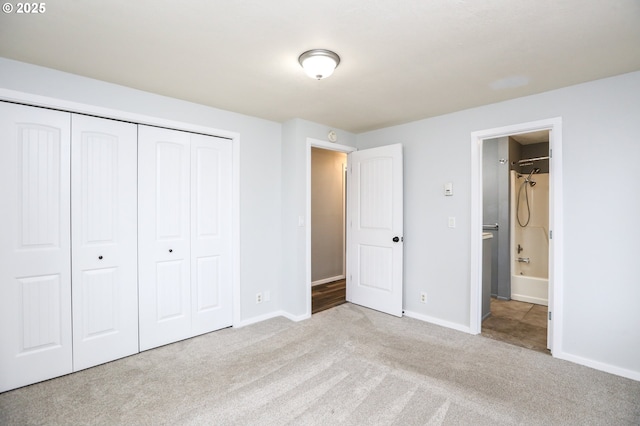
(184, 235)
(104, 240)
(35, 272)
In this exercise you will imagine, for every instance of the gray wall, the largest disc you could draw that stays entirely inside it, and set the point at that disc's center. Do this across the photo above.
(600, 285)
(327, 214)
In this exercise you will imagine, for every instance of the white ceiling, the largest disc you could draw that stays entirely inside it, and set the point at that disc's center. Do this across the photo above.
(402, 60)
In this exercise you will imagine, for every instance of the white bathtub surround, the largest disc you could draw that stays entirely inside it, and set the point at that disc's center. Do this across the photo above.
(530, 243)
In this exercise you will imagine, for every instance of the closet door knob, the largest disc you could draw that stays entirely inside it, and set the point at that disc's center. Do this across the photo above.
(100, 257)
(170, 250)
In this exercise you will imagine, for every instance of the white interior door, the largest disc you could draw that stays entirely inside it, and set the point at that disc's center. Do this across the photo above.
(375, 228)
(35, 281)
(104, 240)
(211, 288)
(164, 236)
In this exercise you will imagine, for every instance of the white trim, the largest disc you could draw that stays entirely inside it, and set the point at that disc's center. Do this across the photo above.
(438, 321)
(295, 318)
(607, 368)
(317, 143)
(75, 107)
(555, 221)
(69, 106)
(270, 315)
(328, 280)
(235, 230)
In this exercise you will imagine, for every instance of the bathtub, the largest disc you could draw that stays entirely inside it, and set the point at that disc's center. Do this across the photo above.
(530, 246)
(530, 289)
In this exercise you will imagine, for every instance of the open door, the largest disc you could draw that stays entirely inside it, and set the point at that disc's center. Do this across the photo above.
(374, 229)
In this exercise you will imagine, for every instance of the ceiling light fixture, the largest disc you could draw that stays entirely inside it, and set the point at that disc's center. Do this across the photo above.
(319, 63)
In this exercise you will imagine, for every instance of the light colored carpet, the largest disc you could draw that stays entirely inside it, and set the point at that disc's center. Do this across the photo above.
(347, 365)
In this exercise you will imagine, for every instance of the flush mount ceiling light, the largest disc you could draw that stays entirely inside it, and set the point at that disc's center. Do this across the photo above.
(319, 63)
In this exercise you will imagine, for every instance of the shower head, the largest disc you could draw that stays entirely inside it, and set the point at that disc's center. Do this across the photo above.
(534, 171)
(528, 178)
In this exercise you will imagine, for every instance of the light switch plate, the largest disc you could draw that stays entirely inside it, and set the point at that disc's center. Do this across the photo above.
(448, 189)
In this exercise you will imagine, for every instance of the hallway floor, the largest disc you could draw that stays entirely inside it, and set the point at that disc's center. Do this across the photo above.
(329, 295)
(519, 323)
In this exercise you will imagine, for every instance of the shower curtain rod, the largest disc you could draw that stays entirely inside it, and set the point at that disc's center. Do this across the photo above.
(528, 160)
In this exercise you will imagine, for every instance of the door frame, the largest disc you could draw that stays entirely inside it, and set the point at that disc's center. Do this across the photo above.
(315, 143)
(98, 111)
(554, 125)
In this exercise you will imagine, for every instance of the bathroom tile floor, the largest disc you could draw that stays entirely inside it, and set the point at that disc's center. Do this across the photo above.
(519, 323)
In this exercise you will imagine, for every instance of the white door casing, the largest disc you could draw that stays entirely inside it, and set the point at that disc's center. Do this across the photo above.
(35, 281)
(375, 229)
(555, 320)
(554, 173)
(104, 240)
(164, 236)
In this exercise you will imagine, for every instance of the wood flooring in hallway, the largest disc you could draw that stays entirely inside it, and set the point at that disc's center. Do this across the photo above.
(329, 295)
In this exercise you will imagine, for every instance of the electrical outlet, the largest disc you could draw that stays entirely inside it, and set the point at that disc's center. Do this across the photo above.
(423, 297)
(258, 297)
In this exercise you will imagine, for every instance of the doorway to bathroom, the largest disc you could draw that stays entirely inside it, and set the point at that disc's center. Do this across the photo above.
(510, 163)
(515, 239)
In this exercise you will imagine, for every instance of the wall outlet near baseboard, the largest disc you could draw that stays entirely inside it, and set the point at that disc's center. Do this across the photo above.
(423, 297)
(258, 297)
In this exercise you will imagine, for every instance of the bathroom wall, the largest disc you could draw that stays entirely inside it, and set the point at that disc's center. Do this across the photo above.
(535, 150)
(495, 180)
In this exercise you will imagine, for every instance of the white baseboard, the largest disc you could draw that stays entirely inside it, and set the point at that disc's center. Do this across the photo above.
(270, 315)
(597, 365)
(328, 280)
(259, 318)
(437, 321)
(295, 318)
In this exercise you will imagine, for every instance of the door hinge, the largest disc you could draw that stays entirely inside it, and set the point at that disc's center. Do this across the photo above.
(551, 234)
(549, 315)
(551, 153)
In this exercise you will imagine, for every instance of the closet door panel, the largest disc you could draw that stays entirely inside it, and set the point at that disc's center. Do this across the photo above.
(104, 242)
(211, 160)
(164, 236)
(35, 287)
